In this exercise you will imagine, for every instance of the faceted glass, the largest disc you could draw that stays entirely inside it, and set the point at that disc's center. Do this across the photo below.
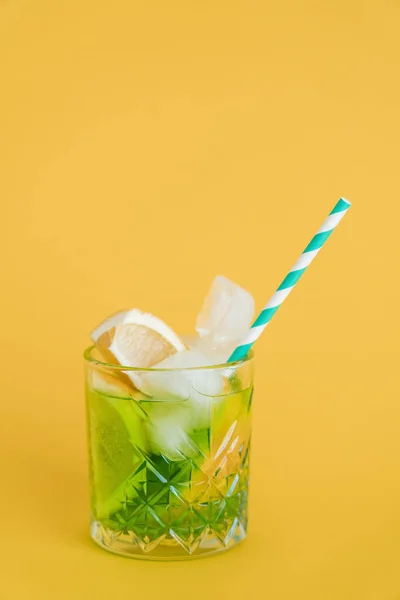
(169, 474)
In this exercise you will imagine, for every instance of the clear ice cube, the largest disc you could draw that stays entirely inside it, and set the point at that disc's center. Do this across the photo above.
(227, 313)
(218, 353)
(176, 383)
(168, 428)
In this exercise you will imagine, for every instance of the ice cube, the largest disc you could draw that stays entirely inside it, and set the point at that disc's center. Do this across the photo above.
(176, 383)
(227, 313)
(218, 353)
(191, 341)
(200, 407)
(168, 428)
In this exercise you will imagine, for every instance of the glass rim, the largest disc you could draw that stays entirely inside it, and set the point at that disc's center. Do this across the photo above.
(87, 355)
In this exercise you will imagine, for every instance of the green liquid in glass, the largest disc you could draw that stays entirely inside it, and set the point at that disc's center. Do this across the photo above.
(167, 472)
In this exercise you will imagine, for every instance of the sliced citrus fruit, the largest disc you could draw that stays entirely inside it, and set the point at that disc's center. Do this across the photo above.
(115, 386)
(133, 338)
(142, 340)
(103, 335)
(117, 439)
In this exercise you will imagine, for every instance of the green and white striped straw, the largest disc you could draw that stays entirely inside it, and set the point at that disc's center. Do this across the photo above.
(283, 291)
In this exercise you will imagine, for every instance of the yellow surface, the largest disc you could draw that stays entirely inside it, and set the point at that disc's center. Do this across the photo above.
(146, 147)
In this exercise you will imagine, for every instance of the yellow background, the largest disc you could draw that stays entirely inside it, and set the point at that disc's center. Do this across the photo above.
(146, 147)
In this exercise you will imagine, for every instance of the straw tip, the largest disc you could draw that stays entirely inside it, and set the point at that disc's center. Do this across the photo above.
(346, 201)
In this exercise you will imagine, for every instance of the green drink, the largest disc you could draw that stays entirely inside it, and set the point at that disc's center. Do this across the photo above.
(169, 424)
(168, 478)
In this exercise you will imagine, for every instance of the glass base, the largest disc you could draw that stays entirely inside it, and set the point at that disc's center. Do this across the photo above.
(168, 547)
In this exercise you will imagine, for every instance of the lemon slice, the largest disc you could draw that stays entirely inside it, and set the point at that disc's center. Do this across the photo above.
(115, 386)
(142, 340)
(104, 333)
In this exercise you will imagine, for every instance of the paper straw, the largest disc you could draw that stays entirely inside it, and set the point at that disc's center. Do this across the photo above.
(283, 291)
